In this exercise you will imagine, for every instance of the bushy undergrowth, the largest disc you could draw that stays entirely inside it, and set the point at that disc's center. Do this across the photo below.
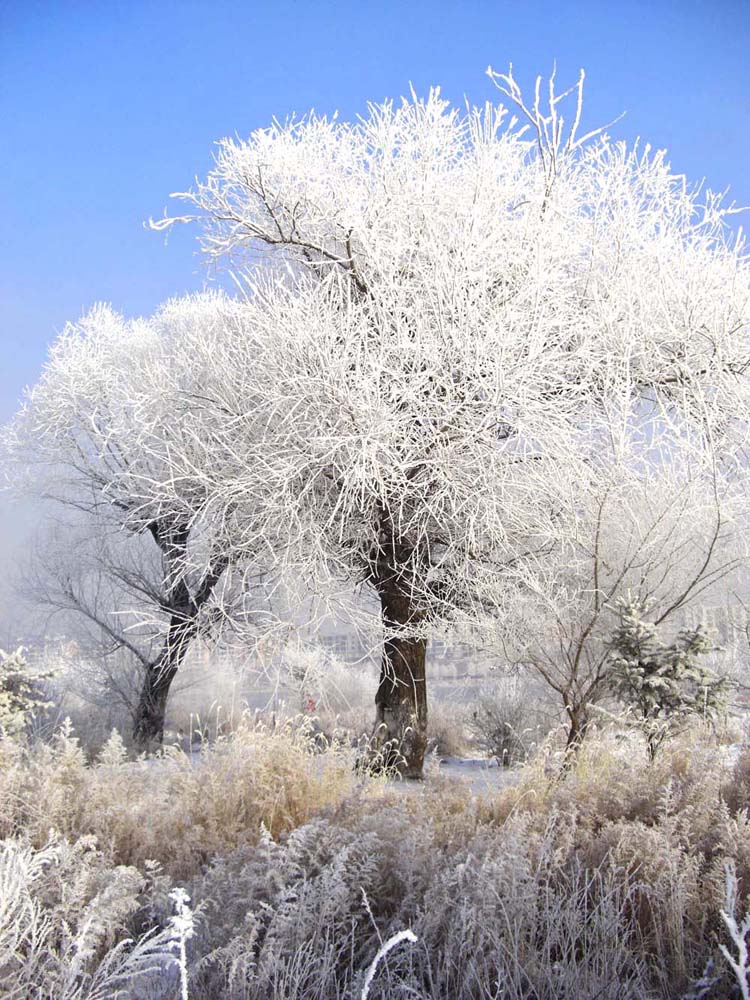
(63, 913)
(607, 883)
(170, 809)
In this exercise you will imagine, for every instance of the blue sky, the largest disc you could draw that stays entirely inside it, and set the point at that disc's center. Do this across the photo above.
(106, 107)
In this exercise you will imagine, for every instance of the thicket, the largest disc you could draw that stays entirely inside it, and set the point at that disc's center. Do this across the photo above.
(608, 882)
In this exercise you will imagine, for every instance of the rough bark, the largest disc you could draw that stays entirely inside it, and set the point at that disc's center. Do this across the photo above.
(401, 699)
(148, 730)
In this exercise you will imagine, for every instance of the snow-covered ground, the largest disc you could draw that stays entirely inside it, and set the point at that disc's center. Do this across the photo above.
(481, 774)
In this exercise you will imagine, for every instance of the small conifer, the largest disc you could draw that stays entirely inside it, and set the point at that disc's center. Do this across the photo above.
(663, 684)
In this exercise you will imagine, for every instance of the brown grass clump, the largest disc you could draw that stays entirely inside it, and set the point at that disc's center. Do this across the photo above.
(173, 809)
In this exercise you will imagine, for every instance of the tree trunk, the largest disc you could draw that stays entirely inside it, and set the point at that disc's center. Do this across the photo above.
(401, 699)
(183, 608)
(578, 724)
(148, 728)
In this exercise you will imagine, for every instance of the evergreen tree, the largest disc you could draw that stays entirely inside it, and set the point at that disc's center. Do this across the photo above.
(664, 685)
(21, 693)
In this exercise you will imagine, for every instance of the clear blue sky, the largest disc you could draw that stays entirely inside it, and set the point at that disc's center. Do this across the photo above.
(106, 107)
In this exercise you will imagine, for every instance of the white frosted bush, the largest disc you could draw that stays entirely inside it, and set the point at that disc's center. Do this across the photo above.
(21, 693)
(63, 909)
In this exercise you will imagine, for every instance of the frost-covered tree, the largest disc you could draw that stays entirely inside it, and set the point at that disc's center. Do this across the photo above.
(106, 591)
(444, 308)
(646, 524)
(22, 694)
(663, 684)
(96, 431)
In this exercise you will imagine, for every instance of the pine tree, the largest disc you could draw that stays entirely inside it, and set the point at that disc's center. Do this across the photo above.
(663, 684)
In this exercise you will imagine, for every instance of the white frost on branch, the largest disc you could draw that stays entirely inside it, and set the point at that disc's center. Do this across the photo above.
(462, 315)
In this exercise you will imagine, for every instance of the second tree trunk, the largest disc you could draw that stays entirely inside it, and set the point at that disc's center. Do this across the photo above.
(148, 728)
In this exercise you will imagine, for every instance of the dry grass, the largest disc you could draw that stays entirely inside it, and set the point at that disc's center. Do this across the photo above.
(172, 809)
(607, 883)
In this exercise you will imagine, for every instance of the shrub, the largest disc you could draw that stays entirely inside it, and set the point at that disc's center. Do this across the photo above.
(170, 808)
(506, 722)
(62, 926)
(447, 729)
(21, 693)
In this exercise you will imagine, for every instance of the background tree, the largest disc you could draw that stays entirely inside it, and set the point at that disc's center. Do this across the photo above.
(22, 695)
(644, 524)
(442, 308)
(104, 592)
(97, 430)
